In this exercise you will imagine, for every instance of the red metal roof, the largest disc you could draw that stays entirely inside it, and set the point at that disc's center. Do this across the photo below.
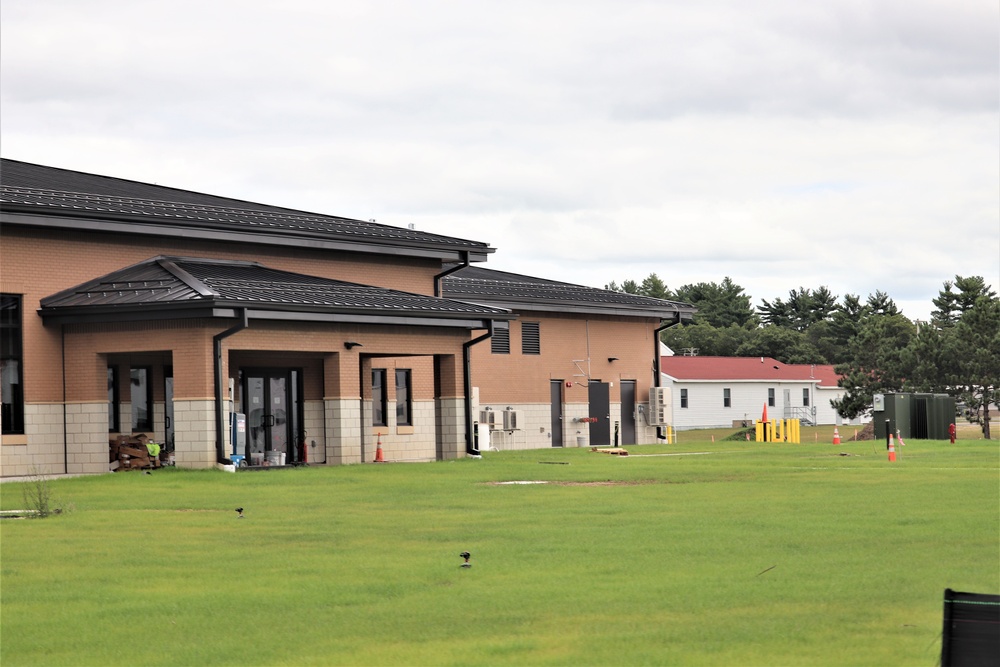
(761, 369)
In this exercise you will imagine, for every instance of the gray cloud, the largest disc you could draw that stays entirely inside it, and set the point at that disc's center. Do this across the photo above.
(854, 145)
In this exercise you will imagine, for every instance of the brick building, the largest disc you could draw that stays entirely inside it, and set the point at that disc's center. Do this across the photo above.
(575, 367)
(133, 308)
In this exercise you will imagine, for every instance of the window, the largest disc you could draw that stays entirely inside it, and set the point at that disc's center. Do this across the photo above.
(11, 370)
(500, 342)
(142, 399)
(805, 397)
(727, 401)
(531, 342)
(379, 401)
(684, 398)
(114, 416)
(770, 398)
(403, 411)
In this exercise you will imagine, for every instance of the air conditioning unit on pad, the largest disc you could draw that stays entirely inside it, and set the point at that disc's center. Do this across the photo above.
(659, 406)
(488, 417)
(511, 420)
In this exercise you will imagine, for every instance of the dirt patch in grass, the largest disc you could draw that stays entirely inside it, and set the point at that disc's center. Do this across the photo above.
(608, 482)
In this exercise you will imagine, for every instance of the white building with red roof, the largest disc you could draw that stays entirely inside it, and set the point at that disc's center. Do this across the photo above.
(714, 392)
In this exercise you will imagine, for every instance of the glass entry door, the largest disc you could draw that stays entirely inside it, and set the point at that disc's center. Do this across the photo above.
(270, 400)
(168, 410)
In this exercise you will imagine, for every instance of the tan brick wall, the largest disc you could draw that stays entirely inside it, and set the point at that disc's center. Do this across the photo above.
(37, 264)
(567, 342)
(40, 449)
(195, 433)
(450, 428)
(343, 431)
(572, 346)
(537, 427)
(312, 420)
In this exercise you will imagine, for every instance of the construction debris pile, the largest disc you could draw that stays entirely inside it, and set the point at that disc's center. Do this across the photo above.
(866, 433)
(136, 452)
(614, 451)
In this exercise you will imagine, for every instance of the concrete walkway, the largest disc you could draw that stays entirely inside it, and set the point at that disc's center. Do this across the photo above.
(48, 478)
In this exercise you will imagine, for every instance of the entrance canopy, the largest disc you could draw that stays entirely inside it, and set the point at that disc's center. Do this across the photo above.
(185, 287)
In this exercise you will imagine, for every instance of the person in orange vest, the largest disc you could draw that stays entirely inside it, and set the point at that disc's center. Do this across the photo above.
(951, 432)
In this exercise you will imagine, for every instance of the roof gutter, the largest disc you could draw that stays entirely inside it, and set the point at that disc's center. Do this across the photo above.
(141, 225)
(656, 363)
(448, 272)
(220, 435)
(470, 442)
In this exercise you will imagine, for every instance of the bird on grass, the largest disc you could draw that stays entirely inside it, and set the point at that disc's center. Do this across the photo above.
(239, 512)
(466, 555)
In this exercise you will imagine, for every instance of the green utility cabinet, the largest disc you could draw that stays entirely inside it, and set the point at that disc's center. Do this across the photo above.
(917, 416)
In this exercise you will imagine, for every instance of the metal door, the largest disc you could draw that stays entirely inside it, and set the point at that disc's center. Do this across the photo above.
(599, 395)
(628, 412)
(556, 425)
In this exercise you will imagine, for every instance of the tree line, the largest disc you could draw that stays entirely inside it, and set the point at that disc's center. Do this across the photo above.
(871, 344)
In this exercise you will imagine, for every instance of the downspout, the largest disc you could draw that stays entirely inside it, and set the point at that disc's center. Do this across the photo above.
(62, 333)
(448, 272)
(361, 405)
(470, 447)
(657, 365)
(220, 434)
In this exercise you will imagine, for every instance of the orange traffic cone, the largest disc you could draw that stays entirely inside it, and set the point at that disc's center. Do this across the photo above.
(836, 436)
(378, 450)
(892, 449)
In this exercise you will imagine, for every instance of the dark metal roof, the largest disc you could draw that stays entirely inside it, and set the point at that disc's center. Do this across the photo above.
(173, 287)
(35, 190)
(519, 292)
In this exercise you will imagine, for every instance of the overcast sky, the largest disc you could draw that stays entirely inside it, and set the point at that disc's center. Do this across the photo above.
(782, 143)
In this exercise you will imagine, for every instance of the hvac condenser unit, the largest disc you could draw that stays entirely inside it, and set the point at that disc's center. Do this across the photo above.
(511, 420)
(659, 406)
(488, 417)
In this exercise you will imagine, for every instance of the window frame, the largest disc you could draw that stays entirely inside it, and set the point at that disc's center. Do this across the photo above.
(805, 397)
(114, 401)
(12, 362)
(145, 426)
(770, 397)
(727, 397)
(404, 397)
(380, 398)
(684, 398)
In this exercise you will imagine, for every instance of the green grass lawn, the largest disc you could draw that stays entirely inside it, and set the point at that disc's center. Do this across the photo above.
(695, 554)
